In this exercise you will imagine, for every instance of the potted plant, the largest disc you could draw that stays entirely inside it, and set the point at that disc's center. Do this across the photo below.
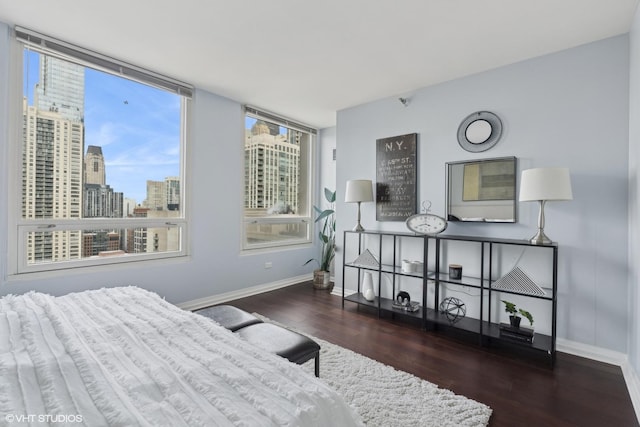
(514, 319)
(327, 235)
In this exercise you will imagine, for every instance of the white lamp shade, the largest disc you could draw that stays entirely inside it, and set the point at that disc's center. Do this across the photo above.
(359, 190)
(545, 184)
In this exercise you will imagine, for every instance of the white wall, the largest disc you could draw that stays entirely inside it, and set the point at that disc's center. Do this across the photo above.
(566, 109)
(214, 185)
(327, 143)
(634, 193)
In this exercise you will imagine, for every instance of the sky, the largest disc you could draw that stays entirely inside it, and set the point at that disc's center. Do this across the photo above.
(137, 126)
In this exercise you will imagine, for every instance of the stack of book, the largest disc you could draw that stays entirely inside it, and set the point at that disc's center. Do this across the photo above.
(521, 334)
(410, 306)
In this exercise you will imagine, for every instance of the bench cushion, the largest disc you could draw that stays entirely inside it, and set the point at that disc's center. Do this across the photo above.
(229, 316)
(281, 341)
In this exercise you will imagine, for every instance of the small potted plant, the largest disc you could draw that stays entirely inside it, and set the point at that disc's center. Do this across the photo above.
(514, 319)
(327, 235)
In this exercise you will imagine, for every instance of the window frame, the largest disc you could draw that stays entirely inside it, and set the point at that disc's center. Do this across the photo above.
(19, 227)
(305, 218)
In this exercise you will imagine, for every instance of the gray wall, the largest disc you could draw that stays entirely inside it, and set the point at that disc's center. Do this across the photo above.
(634, 194)
(566, 109)
(215, 204)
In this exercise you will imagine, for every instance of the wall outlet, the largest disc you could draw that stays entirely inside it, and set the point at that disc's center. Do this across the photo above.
(268, 264)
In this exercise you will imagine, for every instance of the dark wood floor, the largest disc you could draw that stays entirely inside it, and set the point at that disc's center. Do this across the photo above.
(577, 392)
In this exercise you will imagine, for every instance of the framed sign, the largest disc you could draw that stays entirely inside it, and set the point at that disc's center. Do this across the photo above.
(396, 177)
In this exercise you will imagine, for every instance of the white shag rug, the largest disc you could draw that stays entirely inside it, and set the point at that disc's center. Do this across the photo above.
(385, 396)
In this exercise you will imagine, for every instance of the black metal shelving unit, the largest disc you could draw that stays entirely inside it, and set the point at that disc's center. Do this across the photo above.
(487, 331)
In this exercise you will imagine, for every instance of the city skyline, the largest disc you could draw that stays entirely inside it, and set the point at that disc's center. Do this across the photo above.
(137, 127)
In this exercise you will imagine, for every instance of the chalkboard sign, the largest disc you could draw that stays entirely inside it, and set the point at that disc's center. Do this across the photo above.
(396, 176)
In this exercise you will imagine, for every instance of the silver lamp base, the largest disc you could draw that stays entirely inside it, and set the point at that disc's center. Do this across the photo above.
(540, 238)
(358, 227)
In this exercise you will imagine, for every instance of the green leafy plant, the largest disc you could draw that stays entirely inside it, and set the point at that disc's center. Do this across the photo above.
(526, 314)
(511, 308)
(327, 233)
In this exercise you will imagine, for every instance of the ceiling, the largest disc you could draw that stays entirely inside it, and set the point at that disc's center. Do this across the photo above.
(308, 59)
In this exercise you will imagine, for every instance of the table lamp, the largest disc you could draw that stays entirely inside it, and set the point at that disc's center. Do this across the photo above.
(358, 191)
(542, 185)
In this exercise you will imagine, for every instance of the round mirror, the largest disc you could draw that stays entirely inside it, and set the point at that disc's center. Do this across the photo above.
(479, 131)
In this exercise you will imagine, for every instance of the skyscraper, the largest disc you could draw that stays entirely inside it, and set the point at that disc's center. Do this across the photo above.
(51, 181)
(53, 141)
(163, 195)
(172, 188)
(272, 170)
(100, 201)
(61, 88)
(156, 196)
(94, 172)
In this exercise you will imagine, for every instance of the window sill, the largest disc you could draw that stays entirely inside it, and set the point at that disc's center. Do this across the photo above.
(91, 269)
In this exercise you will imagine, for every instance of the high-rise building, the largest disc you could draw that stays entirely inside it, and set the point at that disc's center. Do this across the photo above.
(100, 201)
(94, 170)
(172, 188)
(272, 170)
(163, 195)
(53, 145)
(156, 196)
(61, 88)
(51, 181)
(128, 205)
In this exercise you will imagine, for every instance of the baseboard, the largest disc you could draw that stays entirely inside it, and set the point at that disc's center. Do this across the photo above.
(591, 352)
(338, 292)
(242, 293)
(633, 386)
(607, 356)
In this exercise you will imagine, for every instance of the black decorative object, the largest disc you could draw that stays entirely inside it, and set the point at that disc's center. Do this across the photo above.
(403, 302)
(479, 131)
(403, 298)
(453, 308)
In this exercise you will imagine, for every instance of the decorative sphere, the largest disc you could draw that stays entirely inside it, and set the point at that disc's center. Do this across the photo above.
(453, 308)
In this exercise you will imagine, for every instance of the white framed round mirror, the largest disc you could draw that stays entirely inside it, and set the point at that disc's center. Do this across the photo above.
(479, 131)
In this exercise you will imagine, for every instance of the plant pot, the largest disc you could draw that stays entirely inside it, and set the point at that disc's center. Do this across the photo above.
(322, 280)
(515, 321)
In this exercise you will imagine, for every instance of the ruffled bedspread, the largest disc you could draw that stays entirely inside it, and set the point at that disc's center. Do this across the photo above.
(125, 357)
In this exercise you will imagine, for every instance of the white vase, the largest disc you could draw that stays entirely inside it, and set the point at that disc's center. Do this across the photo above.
(367, 287)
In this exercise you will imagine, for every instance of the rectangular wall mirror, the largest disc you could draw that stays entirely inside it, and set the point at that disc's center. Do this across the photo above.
(482, 190)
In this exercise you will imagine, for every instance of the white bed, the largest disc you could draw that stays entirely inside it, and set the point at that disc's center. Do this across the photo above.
(125, 357)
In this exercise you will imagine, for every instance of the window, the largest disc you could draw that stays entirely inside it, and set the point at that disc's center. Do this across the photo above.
(102, 149)
(277, 176)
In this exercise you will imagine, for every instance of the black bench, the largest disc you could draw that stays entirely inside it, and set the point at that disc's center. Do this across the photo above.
(283, 342)
(229, 316)
(291, 345)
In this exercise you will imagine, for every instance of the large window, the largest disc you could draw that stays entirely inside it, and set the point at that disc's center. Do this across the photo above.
(277, 175)
(102, 150)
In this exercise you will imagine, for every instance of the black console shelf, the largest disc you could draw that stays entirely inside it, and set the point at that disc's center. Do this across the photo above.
(484, 328)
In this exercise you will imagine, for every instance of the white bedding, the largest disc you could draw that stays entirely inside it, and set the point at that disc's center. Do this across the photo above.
(125, 357)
